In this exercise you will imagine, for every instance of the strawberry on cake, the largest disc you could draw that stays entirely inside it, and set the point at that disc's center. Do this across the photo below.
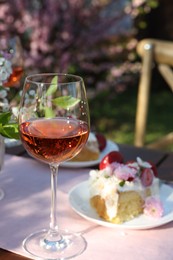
(119, 191)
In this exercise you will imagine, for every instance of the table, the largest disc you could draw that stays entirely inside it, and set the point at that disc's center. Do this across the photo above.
(164, 162)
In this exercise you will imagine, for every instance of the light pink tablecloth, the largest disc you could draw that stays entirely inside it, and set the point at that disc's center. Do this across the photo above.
(26, 208)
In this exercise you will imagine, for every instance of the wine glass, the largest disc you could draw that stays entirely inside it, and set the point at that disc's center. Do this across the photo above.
(54, 127)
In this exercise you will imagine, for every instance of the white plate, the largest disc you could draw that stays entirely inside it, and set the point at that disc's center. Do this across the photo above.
(110, 146)
(79, 201)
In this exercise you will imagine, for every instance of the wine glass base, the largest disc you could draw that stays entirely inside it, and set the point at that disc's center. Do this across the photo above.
(71, 245)
(1, 194)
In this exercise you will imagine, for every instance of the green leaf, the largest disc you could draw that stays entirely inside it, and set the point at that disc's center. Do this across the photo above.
(5, 117)
(10, 130)
(66, 101)
(49, 112)
(53, 86)
(7, 128)
(121, 183)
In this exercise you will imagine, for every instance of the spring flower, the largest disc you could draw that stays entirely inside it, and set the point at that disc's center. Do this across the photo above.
(9, 128)
(124, 173)
(5, 70)
(153, 207)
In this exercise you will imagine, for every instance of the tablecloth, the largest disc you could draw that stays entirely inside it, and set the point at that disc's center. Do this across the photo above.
(26, 208)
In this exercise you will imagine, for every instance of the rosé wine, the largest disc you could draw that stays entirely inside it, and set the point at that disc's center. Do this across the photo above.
(54, 140)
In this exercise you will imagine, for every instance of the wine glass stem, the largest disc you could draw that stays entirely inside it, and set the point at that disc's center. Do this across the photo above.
(53, 239)
(53, 216)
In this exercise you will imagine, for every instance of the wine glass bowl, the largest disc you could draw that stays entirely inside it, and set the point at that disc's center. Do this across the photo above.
(54, 127)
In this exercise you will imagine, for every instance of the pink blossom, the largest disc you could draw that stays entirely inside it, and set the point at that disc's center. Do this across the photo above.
(123, 172)
(153, 207)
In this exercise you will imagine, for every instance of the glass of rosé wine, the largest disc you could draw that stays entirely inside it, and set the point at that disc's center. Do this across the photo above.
(54, 127)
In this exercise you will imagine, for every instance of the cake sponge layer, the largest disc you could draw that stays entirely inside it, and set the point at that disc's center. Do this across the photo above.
(130, 205)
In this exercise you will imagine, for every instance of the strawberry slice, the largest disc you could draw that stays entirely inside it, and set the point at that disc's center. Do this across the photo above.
(147, 177)
(111, 157)
(154, 168)
(101, 141)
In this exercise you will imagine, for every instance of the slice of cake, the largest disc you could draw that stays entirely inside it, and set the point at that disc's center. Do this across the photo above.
(119, 191)
(90, 152)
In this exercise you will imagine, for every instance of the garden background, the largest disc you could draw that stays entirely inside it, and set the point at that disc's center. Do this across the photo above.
(97, 39)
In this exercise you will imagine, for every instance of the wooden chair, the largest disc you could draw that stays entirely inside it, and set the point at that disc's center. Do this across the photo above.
(161, 53)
